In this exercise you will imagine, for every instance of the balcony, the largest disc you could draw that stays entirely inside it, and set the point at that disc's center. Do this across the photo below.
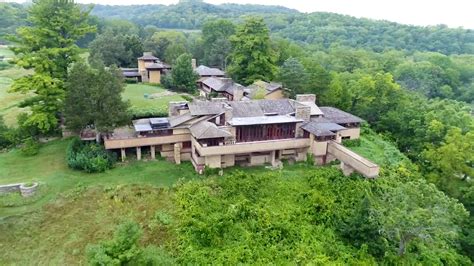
(248, 147)
(118, 143)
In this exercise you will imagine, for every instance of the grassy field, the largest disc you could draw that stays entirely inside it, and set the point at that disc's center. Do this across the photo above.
(156, 101)
(49, 167)
(375, 148)
(9, 101)
(5, 52)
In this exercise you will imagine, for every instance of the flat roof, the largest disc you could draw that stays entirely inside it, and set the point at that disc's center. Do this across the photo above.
(260, 120)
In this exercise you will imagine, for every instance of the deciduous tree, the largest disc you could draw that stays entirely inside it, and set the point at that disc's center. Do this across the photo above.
(48, 46)
(252, 56)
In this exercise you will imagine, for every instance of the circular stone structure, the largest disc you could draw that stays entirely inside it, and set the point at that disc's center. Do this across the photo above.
(28, 191)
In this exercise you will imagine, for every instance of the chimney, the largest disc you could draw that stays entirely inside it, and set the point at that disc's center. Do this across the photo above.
(306, 98)
(302, 112)
(147, 53)
(175, 108)
(193, 63)
(238, 92)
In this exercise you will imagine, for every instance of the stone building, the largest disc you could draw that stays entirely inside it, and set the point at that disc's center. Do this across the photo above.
(223, 133)
(150, 69)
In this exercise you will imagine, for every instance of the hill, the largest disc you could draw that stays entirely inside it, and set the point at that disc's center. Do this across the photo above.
(319, 29)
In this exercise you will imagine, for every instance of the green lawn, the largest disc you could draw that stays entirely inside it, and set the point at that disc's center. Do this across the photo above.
(9, 101)
(375, 148)
(49, 167)
(156, 101)
(7, 53)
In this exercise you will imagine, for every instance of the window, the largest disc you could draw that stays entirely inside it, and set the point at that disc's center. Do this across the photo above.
(265, 132)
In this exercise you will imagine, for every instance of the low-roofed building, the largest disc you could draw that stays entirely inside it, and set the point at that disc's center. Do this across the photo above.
(223, 133)
(264, 90)
(150, 69)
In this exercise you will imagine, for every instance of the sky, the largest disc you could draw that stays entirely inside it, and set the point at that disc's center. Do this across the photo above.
(454, 13)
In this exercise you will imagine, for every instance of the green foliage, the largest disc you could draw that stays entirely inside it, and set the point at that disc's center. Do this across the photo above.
(167, 45)
(94, 98)
(351, 142)
(290, 216)
(122, 249)
(216, 42)
(15, 199)
(252, 57)
(116, 49)
(30, 147)
(89, 157)
(183, 77)
(48, 46)
(293, 76)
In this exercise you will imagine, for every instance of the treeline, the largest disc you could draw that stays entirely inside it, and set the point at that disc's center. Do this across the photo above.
(320, 29)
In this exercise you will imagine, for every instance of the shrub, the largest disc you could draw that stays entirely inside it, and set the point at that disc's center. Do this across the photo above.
(138, 113)
(351, 142)
(122, 249)
(90, 157)
(30, 147)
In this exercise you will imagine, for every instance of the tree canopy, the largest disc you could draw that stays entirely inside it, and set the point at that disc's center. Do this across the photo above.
(252, 57)
(48, 46)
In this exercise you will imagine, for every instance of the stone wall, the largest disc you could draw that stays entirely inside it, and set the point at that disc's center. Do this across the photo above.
(10, 188)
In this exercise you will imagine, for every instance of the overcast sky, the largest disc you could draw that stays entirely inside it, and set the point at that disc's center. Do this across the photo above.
(454, 13)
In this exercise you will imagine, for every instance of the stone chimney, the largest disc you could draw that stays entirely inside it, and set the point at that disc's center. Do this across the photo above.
(193, 63)
(147, 53)
(238, 92)
(306, 98)
(302, 112)
(174, 108)
(228, 113)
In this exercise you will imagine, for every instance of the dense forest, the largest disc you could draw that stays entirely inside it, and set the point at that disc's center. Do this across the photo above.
(321, 29)
(413, 85)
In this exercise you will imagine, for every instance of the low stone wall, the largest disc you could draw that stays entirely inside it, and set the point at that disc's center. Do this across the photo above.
(20, 187)
(4, 189)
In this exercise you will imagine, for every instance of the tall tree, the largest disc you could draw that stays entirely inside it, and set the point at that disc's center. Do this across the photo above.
(293, 76)
(417, 212)
(109, 48)
(48, 46)
(94, 98)
(252, 56)
(216, 37)
(183, 76)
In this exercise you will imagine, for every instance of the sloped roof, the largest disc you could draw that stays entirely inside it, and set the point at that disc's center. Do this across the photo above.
(209, 71)
(158, 65)
(246, 109)
(180, 119)
(268, 86)
(147, 57)
(205, 108)
(322, 129)
(208, 130)
(281, 107)
(315, 110)
(335, 115)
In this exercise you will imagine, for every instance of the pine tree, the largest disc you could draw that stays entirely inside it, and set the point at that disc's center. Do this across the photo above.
(183, 76)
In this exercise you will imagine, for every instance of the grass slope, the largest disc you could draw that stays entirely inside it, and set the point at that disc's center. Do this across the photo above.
(376, 149)
(49, 167)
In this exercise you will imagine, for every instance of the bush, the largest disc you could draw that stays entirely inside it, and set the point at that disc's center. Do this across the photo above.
(30, 147)
(89, 157)
(351, 142)
(122, 249)
(138, 113)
